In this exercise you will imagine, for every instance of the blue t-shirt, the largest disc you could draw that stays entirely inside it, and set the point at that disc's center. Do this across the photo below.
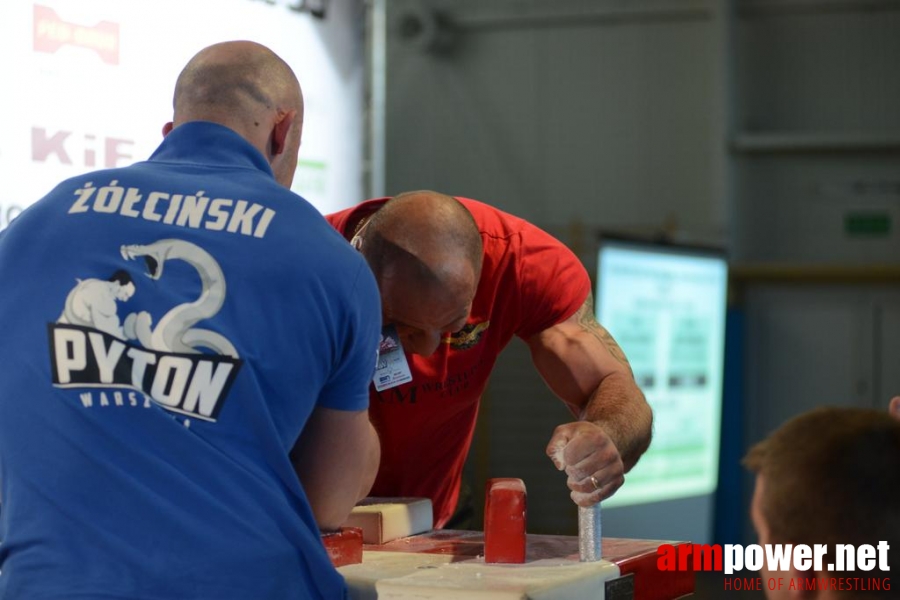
(166, 329)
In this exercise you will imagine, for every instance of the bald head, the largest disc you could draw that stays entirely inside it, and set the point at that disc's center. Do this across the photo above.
(432, 231)
(425, 250)
(250, 89)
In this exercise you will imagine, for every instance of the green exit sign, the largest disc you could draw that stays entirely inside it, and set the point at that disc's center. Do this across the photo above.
(867, 224)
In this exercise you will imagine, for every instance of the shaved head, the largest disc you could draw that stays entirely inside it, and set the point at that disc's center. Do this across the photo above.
(426, 253)
(434, 233)
(225, 80)
(248, 88)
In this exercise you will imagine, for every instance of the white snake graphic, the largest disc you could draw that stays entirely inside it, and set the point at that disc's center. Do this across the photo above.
(175, 331)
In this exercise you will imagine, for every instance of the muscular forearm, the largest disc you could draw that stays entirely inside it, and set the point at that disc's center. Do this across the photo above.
(619, 407)
(584, 366)
(336, 459)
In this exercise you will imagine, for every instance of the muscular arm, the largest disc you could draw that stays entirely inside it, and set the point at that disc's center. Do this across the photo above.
(105, 317)
(336, 459)
(583, 365)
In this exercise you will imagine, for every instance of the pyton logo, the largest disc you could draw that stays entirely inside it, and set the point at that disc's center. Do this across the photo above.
(52, 33)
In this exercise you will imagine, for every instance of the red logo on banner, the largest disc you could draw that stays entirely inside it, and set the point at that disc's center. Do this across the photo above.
(52, 33)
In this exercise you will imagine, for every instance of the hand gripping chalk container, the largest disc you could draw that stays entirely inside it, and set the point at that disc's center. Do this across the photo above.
(589, 540)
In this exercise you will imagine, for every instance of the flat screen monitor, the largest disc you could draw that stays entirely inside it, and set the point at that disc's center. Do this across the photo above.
(665, 306)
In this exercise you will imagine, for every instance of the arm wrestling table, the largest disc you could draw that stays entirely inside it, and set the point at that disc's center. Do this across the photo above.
(448, 564)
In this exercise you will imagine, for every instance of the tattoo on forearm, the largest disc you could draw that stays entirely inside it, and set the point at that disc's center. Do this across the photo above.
(588, 322)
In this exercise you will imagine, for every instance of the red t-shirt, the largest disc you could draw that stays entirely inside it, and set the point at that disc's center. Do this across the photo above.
(529, 282)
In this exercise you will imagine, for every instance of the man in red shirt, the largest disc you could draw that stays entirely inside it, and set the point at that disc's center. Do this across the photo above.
(458, 279)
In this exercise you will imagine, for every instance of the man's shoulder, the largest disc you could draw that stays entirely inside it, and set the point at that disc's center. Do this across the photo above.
(495, 221)
(342, 218)
(506, 234)
(338, 219)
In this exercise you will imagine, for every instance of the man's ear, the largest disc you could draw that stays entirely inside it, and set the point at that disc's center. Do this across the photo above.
(280, 131)
(167, 128)
(894, 407)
